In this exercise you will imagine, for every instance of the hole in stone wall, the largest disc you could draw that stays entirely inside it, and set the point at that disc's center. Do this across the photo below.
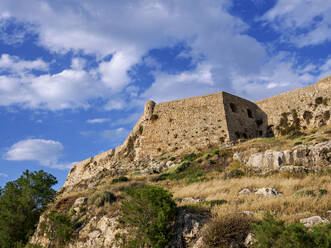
(249, 113)
(260, 133)
(237, 135)
(245, 135)
(259, 122)
(233, 107)
(270, 131)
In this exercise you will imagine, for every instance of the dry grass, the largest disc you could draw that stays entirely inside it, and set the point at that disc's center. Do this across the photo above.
(289, 207)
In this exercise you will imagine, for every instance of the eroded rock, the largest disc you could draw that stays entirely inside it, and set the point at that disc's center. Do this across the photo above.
(313, 221)
(267, 192)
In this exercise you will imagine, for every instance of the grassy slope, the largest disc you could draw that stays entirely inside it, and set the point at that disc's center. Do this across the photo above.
(207, 176)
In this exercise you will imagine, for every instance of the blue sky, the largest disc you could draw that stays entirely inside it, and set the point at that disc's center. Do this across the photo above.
(74, 75)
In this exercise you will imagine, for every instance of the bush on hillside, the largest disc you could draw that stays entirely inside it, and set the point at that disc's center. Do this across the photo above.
(58, 228)
(120, 179)
(99, 198)
(236, 173)
(272, 233)
(227, 231)
(149, 213)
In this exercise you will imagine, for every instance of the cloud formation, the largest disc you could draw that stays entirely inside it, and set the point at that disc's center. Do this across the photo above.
(119, 34)
(302, 22)
(97, 120)
(45, 152)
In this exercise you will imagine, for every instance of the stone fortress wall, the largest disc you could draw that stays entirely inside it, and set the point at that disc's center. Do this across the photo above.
(207, 120)
(311, 104)
(199, 121)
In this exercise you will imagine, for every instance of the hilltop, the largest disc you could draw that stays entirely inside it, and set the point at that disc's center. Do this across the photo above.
(219, 155)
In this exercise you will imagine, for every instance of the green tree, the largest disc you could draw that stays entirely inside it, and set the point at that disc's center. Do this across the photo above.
(21, 203)
(149, 213)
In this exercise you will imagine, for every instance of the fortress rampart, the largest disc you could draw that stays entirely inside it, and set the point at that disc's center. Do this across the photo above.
(311, 105)
(209, 120)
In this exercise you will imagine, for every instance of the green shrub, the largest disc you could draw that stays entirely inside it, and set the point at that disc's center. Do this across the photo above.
(236, 173)
(225, 153)
(120, 179)
(322, 191)
(230, 231)
(149, 213)
(212, 161)
(58, 227)
(215, 151)
(172, 159)
(99, 198)
(272, 233)
(33, 246)
(217, 202)
(305, 192)
(190, 157)
(182, 166)
(190, 173)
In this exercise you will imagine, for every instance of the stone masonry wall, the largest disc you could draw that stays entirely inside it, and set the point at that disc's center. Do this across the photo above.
(195, 121)
(311, 104)
(244, 118)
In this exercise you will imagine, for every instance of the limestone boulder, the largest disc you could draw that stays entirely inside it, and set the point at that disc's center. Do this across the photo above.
(238, 156)
(313, 221)
(188, 229)
(297, 159)
(191, 200)
(273, 159)
(270, 192)
(80, 202)
(255, 160)
(250, 240)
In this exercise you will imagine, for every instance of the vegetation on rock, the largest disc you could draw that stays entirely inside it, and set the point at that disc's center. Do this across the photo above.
(149, 213)
(270, 233)
(21, 203)
(58, 228)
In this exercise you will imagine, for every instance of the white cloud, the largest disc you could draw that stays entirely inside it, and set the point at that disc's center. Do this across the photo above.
(303, 22)
(98, 120)
(126, 31)
(175, 86)
(78, 63)
(280, 74)
(115, 104)
(114, 72)
(45, 152)
(3, 175)
(67, 89)
(15, 65)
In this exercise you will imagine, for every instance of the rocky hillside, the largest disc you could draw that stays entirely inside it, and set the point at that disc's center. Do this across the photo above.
(212, 188)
